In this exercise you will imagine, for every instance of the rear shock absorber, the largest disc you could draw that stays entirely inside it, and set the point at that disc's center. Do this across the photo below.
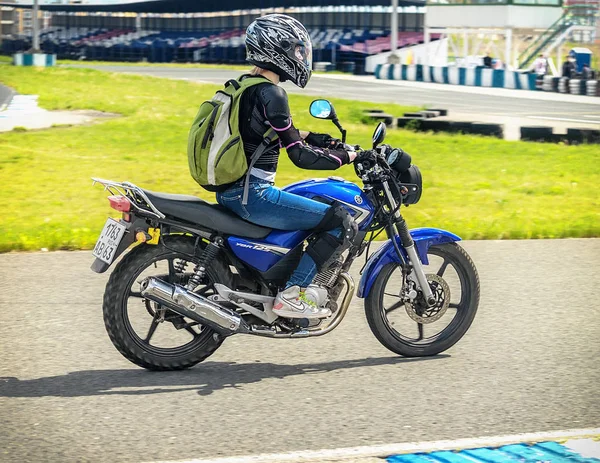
(208, 255)
(180, 265)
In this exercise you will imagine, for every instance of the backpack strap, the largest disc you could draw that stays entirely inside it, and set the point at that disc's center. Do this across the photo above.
(233, 83)
(270, 135)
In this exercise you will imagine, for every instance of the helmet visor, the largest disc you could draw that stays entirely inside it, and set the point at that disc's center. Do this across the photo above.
(303, 53)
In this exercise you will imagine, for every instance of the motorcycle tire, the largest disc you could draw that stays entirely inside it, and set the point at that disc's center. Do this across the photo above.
(115, 308)
(388, 337)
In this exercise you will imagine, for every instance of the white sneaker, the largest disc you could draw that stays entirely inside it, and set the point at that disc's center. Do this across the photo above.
(289, 304)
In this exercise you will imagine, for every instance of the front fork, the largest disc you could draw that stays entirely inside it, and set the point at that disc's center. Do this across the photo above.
(409, 246)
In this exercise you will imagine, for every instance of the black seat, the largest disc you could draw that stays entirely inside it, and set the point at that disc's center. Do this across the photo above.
(207, 215)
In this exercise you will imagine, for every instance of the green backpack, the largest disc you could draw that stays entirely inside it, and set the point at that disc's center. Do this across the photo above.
(215, 149)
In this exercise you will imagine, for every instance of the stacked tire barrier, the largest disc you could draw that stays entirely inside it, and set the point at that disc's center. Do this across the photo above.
(477, 77)
(426, 121)
(572, 137)
(577, 86)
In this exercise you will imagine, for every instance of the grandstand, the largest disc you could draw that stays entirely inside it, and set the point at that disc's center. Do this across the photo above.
(345, 34)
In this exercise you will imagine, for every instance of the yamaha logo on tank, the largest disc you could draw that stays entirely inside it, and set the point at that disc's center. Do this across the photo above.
(358, 199)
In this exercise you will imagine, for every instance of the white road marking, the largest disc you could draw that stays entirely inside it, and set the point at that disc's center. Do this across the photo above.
(396, 449)
(587, 448)
(27, 103)
(592, 116)
(561, 119)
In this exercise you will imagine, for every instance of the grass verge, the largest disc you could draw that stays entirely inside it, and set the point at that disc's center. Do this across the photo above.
(232, 67)
(476, 187)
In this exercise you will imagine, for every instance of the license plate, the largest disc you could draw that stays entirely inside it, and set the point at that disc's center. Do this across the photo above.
(111, 236)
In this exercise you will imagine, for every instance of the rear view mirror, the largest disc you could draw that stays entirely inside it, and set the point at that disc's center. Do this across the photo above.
(379, 134)
(322, 109)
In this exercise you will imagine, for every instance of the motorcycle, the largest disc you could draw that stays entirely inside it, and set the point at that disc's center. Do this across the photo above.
(205, 274)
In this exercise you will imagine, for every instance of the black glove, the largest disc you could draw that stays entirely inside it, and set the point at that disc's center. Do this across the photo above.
(323, 140)
(368, 156)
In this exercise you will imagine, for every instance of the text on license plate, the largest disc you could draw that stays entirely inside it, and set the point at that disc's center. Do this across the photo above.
(109, 240)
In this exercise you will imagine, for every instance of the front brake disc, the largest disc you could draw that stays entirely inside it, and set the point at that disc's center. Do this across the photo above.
(441, 293)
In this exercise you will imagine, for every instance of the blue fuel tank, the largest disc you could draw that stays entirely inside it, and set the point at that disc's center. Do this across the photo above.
(263, 254)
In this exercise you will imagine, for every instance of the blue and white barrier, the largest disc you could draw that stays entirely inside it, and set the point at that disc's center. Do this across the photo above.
(573, 451)
(34, 59)
(477, 77)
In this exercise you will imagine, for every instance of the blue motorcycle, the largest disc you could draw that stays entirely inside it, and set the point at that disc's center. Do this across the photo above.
(196, 273)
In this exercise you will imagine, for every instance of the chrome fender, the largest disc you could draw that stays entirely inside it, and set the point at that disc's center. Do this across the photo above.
(424, 238)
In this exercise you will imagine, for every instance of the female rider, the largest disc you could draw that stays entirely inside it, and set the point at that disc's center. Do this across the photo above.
(280, 48)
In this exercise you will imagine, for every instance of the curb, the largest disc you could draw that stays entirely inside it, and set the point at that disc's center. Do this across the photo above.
(359, 454)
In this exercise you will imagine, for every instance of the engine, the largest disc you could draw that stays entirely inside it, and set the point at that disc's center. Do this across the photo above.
(324, 290)
(328, 278)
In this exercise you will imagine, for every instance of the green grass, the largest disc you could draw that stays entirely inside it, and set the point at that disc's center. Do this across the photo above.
(475, 187)
(233, 67)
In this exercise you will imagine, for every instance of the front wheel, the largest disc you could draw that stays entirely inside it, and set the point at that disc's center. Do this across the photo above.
(412, 329)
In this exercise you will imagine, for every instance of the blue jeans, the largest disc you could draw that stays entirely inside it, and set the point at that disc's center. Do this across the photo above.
(271, 207)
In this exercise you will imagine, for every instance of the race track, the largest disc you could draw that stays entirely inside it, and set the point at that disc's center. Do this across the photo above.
(6, 95)
(536, 108)
(529, 363)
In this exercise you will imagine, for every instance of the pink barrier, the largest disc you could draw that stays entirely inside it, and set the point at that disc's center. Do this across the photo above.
(103, 36)
(381, 44)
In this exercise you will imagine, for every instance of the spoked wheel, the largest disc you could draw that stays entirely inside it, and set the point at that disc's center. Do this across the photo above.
(145, 332)
(413, 329)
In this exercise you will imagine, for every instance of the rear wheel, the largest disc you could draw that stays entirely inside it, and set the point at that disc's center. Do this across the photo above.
(146, 333)
(413, 329)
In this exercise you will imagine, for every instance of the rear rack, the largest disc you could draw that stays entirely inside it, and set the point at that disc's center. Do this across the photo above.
(130, 192)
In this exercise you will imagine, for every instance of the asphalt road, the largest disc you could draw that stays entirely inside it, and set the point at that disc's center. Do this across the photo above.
(500, 103)
(6, 95)
(529, 363)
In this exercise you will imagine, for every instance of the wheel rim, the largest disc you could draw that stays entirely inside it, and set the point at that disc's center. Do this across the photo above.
(404, 327)
(150, 325)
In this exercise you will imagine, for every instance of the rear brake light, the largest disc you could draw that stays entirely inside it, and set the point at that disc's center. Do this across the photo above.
(119, 203)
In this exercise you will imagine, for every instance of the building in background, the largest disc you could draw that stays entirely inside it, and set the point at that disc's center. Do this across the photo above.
(7, 20)
(23, 24)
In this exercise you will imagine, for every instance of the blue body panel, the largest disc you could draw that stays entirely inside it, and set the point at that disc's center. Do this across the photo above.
(424, 238)
(263, 254)
(348, 193)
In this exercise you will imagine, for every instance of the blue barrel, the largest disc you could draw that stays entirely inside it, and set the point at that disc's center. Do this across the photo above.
(348, 66)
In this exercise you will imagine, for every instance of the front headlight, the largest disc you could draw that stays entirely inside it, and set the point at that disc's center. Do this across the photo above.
(412, 179)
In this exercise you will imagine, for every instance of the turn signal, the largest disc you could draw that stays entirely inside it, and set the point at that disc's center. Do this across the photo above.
(141, 237)
(119, 203)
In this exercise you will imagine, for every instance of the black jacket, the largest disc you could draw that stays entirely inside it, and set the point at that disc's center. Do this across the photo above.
(567, 69)
(266, 105)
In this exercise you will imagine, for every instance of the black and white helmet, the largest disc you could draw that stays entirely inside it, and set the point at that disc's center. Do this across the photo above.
(281, 44)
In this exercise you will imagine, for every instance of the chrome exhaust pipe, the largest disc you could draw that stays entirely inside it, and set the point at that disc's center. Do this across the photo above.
(191, 305)
(341, 313)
